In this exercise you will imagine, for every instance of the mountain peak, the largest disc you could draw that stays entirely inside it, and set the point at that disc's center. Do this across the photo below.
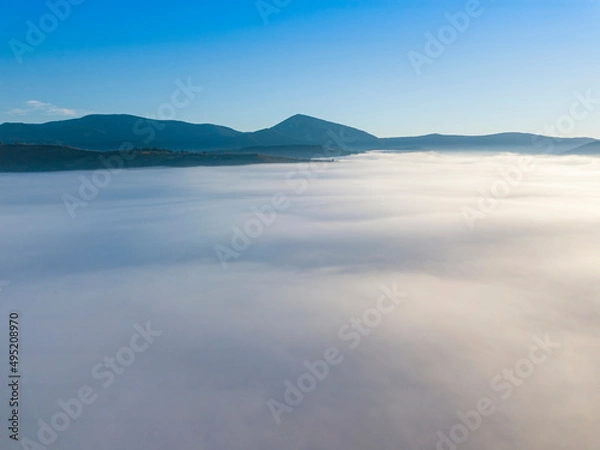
(300, 118)
(322, 132)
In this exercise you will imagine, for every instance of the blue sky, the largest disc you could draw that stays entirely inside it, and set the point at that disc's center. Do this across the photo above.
(516, 66)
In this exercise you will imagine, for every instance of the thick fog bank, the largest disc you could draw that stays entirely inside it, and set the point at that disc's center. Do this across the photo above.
(384, 301)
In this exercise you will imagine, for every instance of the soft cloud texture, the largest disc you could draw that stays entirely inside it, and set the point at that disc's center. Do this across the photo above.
(143, 250)
(46, 109)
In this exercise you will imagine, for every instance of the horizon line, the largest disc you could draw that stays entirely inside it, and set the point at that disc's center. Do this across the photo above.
(307, 116)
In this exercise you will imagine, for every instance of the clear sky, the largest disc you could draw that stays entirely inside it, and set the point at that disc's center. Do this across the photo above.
(516, 66)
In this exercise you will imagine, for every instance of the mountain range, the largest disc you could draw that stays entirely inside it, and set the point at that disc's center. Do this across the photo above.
(299, 136)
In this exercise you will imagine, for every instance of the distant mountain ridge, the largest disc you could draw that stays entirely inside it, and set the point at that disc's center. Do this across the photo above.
(299, 133)
(593, 148)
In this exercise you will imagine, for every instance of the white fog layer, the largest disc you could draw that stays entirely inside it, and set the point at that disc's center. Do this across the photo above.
(301, 337)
